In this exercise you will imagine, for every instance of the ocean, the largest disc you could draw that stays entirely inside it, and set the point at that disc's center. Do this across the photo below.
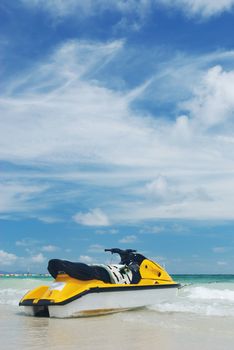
(200, 317)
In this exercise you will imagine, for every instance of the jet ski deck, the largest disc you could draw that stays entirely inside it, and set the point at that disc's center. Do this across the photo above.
(71, 297)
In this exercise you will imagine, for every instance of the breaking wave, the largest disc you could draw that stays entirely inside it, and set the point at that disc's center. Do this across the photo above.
(12, 290)
(209, 300)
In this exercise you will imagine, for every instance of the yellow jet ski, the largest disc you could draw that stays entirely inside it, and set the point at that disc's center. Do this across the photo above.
(82, 290)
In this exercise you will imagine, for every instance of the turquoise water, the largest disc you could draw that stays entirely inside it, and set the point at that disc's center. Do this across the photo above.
(184, 279)
(34, 276)
(200, 279)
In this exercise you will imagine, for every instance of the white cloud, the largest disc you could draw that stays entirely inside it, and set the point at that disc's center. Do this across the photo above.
(220, 250)
(96, 248)
(95, 217)
(27, 242)
(61, 121)
(49, 248)
(86, 259)
(161, 260)
(16, 196)
(157, 187)
(182, 130)
(6, 258)
(111, 231)
(88, 8)
(65, 117)
(22, 243)
(204, 8)
(152, 230)
(22, 263)
(128, 239)
(48, 219)
(38, 258)
(138, 8)
(213, 101)
(222, 263)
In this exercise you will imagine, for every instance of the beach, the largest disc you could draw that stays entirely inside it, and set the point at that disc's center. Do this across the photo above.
(201, 316)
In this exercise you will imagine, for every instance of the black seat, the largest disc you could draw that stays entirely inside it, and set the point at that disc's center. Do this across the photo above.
(79, 271)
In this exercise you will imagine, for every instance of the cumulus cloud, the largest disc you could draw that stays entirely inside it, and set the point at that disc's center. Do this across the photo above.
(86, 259)
(213, 101)
(21, 262)
(95, 217)
(6, 258)
(38, 258)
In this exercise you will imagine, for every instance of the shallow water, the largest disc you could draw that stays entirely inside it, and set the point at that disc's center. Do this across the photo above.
(202, 315)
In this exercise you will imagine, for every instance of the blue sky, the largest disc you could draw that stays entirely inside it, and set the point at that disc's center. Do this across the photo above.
(117, 130)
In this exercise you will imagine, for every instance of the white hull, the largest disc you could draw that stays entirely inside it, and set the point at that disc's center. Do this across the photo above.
(108, 302)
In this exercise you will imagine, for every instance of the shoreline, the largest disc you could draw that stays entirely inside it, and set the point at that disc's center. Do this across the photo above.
(27, 275)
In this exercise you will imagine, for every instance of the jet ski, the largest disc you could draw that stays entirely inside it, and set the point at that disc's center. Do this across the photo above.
(86, 290)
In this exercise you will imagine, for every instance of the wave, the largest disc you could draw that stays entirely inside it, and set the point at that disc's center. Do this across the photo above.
(202, 300)
(12, 290)
(203, 293)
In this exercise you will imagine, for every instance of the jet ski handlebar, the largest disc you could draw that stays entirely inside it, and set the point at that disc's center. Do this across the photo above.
(125, 255)
(120, 251)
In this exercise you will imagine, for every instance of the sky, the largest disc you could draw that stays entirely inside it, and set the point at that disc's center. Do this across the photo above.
(117, 130)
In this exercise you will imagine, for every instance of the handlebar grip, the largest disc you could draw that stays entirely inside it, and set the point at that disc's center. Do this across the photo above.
(120, 251)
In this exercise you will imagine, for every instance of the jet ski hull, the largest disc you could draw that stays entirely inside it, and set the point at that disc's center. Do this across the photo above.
(84, 290)
(99, 301)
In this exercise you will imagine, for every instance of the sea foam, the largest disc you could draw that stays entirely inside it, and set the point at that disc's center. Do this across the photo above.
(208, 300)
(13, 289)
(204, 293)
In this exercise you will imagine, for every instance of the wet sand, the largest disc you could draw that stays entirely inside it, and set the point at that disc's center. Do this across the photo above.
(129, 330)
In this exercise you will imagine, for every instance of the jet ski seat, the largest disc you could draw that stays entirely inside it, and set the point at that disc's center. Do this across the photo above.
(125, 273)
(78, 270)
(117, 274)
